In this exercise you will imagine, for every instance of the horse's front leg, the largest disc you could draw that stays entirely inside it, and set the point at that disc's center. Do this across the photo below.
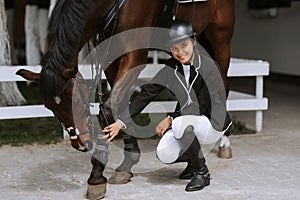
(130, 66)
(123, 173)
(97, 182)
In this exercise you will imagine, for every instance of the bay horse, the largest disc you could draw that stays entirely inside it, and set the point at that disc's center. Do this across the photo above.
(72, 24)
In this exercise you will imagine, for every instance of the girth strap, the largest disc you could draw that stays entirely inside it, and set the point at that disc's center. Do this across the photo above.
(189, 1)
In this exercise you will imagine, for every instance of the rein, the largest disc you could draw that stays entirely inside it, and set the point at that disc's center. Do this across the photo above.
(65, 87)
(86, 101)
(98, 66)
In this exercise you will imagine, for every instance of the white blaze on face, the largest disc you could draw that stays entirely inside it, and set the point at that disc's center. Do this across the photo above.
(57, 99)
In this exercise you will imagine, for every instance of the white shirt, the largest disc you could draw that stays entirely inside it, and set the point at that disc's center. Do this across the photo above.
(186, 70)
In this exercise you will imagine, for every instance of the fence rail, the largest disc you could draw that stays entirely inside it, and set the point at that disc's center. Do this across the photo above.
(237, 101)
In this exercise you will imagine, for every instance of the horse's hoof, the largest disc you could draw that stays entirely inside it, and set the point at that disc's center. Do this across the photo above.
(225, 152)
(95, 192)
(120, 178)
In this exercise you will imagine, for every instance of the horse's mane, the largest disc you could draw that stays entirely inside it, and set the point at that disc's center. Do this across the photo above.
(64, 32)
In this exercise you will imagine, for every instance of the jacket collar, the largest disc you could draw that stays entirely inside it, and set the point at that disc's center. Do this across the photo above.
(178, 67)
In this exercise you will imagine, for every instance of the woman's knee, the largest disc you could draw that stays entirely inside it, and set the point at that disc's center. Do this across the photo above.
(180, 124)
(168, 149)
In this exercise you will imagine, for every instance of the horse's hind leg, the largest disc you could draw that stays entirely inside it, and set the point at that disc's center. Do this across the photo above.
(219, 34)
(225, 150)
(221, 50)
(97, 182)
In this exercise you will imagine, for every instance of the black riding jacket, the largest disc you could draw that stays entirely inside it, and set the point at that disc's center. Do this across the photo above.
(205, 96)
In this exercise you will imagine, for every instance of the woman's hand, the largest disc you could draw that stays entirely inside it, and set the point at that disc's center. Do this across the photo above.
(163, 126)
(113, 130)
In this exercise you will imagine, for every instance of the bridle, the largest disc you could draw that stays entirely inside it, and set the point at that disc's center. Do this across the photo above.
(74, 131)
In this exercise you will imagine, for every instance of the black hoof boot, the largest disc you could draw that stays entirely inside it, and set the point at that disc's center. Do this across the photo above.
(200, 180)
(187, 173)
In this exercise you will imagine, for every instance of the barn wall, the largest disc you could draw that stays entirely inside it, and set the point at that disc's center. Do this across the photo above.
(274, 39)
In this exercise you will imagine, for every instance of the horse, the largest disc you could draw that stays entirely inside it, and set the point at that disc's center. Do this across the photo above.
(75, 22)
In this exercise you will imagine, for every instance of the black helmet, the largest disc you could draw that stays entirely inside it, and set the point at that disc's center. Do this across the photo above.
(179, 31)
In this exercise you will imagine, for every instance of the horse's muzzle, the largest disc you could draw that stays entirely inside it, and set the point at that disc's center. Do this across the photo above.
(80, 141)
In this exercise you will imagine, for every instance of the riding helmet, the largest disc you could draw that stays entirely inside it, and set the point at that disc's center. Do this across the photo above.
(180, 30)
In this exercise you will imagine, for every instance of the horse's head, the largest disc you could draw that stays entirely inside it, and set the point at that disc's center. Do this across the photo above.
(66, 95)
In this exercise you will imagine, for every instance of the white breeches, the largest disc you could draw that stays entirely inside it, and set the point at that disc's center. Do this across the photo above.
(168, 148)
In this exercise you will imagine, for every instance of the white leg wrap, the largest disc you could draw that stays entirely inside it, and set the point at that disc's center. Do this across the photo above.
(32, 35)
(224, 141)
(43, 24)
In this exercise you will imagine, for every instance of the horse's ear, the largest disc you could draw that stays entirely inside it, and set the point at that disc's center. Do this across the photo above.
(29, 75)
(69, 73)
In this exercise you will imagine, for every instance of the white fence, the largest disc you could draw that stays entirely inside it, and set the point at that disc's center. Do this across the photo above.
(237, 101)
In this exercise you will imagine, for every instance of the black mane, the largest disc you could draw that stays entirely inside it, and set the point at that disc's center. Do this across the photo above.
(64, 32)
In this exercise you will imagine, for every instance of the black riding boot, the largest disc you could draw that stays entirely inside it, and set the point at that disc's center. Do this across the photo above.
(196, 166)
(200, 179)
(188, 172)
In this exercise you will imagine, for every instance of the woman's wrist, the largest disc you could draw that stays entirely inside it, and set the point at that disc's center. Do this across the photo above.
(120, 124)
(170, 118)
